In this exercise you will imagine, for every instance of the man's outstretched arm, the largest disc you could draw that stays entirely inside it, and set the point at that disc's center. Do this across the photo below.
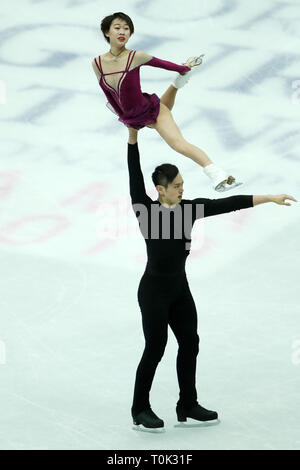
(234, 203)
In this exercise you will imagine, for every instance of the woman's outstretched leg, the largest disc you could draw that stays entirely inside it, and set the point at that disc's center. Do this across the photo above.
(166, 120)
(170, 132)
(168, 98)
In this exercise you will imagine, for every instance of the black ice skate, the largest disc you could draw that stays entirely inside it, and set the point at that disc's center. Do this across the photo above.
(203, 416)
(148, 421)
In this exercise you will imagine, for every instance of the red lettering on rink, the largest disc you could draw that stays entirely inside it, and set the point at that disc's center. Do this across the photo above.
(92, 195)
(8, 182)
(205, 246)
(141, 258)
(101, 246)
(10, 234)
(239, 220)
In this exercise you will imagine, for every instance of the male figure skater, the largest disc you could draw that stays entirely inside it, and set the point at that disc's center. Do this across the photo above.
(163, 294)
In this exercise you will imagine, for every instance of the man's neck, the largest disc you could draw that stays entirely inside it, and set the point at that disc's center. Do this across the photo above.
(165, 204)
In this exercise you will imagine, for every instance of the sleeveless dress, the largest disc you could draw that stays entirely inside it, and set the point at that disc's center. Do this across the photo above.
(134, 108)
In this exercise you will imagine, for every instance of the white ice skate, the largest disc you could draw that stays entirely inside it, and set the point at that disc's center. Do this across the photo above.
(221, 181)
(181, 80)
(225, 186)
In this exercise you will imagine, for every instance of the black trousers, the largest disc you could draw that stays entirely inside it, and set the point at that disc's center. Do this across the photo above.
(167, 300)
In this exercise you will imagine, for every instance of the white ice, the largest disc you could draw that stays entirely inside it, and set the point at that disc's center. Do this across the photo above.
(71, 253)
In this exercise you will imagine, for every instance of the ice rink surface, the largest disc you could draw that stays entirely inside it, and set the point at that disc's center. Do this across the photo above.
(71, 254)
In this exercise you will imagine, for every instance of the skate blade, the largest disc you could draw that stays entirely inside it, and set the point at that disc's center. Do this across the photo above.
(226, 187)
(140, 427)
(194, 61)
(199, 59)
(192, 423)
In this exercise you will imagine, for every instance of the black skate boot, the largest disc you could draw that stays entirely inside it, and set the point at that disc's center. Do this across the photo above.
(148, 421)
(198, 413)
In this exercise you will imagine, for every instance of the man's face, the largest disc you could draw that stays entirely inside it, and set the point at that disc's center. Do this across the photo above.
(174, 191)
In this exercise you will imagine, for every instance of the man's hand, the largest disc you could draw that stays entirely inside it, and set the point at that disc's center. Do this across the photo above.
(280, 199)
(132, 139)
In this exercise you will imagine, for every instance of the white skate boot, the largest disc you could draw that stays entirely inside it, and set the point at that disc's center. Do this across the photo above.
(221, 181)
(181, 80)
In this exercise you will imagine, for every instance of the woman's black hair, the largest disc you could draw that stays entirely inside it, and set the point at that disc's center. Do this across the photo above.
(164, 174)
(107, 21)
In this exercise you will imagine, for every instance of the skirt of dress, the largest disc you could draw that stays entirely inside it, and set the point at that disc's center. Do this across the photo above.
(145, 118)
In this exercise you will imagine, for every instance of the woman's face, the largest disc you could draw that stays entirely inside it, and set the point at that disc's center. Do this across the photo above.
(118, 29)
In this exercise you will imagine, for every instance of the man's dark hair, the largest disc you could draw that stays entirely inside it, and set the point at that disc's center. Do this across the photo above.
(164, 174)
(107, 21)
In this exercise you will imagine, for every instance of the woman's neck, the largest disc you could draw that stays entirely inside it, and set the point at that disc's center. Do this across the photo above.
(116, 52)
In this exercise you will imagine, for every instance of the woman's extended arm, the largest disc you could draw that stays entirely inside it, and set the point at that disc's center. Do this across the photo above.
(145, 59)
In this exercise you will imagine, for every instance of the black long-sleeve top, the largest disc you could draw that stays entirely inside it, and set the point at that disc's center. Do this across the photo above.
(167, 231)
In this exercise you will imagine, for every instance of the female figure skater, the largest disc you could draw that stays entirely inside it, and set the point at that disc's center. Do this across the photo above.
(118, 74)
